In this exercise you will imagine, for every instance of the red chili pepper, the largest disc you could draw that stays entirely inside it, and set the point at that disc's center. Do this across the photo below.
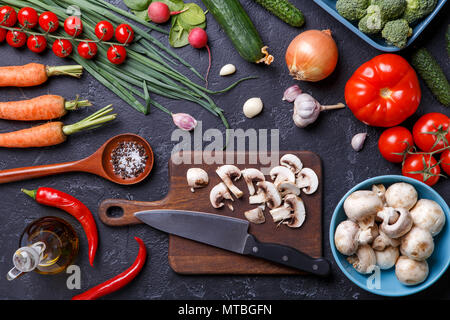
(55, 198)
(119, 281)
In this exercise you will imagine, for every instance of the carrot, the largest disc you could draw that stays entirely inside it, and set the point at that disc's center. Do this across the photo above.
(40, 108)
(53, 133)
(34, 74)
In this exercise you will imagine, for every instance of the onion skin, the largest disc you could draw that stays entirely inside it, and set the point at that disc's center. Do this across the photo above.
(312, 55)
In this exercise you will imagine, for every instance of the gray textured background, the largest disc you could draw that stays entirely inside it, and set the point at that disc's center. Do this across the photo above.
(329, 137)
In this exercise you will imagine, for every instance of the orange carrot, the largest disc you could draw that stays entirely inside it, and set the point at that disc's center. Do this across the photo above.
(34, 74)
(41, 108)
(53, 133)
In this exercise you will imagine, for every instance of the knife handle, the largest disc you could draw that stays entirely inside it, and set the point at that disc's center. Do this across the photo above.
(286, 256)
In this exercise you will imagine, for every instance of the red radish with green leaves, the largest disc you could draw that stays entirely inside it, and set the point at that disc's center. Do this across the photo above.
(159, 12)
(198, 38)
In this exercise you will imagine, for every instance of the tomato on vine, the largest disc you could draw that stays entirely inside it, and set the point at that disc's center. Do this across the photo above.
(8, 16)
(117, 54)
(431, 132)
(48, 21)
(445, 161)
(422, 167)
(124, 33)
(62, 48)
(37, 43)
(104, 30)
(73, 26)
(2, 34)
(87, 50)
(28, 18)
(16, 38)
(394, 143)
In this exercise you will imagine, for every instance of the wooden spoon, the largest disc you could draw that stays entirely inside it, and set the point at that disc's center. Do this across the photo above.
(99, 163)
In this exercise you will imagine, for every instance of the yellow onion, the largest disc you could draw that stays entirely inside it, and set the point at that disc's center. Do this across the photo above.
(312, 55)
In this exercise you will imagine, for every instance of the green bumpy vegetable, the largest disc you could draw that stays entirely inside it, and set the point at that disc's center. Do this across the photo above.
(396, 32)
(418, 9)
(391, 9)
(430, 71)
(284, 10)
(372, 22)
(352, 9)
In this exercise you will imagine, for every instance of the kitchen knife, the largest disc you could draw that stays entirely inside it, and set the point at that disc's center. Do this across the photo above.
(230, 234)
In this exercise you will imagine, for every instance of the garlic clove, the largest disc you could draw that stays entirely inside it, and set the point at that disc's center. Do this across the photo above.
(358, 141)
(292, 93)
(184, 121)
(253, 107)
(227, 70)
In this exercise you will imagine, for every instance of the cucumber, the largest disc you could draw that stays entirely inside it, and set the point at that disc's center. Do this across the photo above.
(432, 74)
(237, 25)
(284, 10)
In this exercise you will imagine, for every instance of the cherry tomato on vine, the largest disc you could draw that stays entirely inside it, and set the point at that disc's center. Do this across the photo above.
(37, 43)
(124, 33)
(2, 34)
(87, 50)
(393, 143)
(16, 38)
(422, 167)
(62, 48)
(73, 26)
(48, 21)
(8, 16)
(104, 30)
(431, 132)
(117, 54)
(445, 161)
(28, 17)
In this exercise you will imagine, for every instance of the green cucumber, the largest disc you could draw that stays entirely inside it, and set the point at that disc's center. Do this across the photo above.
(240, 29)
(430, 71)
(284, 10)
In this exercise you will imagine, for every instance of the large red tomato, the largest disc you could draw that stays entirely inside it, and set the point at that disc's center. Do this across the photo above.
(384, 91)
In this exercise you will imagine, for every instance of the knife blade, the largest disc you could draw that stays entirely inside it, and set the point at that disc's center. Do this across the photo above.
(230, 234)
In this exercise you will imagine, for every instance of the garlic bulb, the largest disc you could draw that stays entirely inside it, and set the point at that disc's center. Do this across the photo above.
(307, 110)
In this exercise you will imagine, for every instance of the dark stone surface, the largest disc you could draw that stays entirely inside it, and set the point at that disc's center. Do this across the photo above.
(329, 137)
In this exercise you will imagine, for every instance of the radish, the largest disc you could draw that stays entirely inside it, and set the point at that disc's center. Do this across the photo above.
(198, 38)
(159, 12)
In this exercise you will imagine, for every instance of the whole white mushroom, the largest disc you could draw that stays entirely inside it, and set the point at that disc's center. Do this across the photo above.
(364, 260)
(428, 215)
(387, 258)
(411, 272)
(417, 244)
(401, 195)
(346, 237)
(361, 204)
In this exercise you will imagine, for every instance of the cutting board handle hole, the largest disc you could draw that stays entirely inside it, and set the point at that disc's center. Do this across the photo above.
(114, 212)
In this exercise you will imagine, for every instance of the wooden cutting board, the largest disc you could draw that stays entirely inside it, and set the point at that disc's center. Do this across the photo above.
(190, 257)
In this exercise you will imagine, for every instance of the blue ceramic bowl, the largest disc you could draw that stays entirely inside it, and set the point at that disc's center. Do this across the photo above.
(389, 284)
(377, 41)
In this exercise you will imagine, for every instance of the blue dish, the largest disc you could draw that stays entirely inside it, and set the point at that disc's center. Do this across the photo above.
(376, 41)
(389, 284)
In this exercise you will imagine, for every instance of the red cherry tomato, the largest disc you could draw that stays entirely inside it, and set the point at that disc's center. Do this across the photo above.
(384, 91)
(104, 30)
(16, 38)
(431, 132)
(28, 17)
(87, 50)
(394, 142)
(73, 26)
(117, 54)
(2, 34)
(62, 48)
(37, 43)
(124, 33)
(8, 16)
(422, 167)
(445, 161)
(48, 21)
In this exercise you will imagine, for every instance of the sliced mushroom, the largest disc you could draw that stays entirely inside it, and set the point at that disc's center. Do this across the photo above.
(292, 213)
(292, 162)
(197, 178)
(401, 195)
(267, 193)
(361, 204)
(255, 215)
(364, 260)
(346, 237)
(252, 176)
(227, 173)
(401, 226)
(382, 241)
(418, 244)
(380, 191)
(280, 174)
(288, 188)
(428, 215)
(387, 258)
(307, 180)
(411, 272)
(218, 194)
